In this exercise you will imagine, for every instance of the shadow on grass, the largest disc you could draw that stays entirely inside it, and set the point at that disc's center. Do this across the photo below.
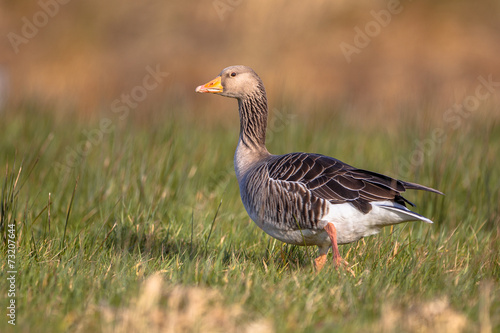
(155, 241)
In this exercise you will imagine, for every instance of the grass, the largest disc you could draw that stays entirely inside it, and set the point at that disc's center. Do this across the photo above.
(146, 232)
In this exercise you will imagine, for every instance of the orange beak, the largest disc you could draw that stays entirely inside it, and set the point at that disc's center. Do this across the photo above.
(213, 87)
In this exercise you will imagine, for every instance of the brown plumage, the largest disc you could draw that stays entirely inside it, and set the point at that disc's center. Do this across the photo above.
(301, 198)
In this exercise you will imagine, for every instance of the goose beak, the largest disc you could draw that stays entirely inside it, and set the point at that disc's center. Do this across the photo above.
(213, 87)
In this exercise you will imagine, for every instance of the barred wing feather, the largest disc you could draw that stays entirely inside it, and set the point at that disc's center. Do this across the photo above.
(337, 182)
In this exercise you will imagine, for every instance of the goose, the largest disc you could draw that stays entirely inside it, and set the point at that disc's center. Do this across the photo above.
(302, 198)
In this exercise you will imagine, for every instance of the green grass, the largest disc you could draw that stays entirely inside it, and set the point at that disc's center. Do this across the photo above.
(144, 202)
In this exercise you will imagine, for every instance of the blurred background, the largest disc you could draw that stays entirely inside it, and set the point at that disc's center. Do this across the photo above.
(375, 56)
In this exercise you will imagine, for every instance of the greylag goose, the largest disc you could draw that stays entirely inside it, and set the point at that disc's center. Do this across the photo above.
(301, 198)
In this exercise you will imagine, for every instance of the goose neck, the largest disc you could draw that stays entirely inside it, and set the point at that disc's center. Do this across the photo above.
(253, 121)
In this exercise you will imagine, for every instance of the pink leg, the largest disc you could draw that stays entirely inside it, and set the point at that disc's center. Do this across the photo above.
(332, 232)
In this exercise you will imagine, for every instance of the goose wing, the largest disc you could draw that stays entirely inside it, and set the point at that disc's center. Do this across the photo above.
(333, 180)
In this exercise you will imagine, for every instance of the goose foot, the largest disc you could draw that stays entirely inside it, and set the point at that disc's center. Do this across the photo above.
(337, 259)
(320, 262)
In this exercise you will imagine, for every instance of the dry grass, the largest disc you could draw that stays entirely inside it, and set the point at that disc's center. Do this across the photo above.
(163, 308)
(432, 316)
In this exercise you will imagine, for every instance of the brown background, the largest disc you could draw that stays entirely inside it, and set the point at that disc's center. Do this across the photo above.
(90, 52)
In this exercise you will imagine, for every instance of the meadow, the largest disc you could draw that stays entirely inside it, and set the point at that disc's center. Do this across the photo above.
(136, 225)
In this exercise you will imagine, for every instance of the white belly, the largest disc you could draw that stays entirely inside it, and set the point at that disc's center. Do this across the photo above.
(351, 224)
(297, 237)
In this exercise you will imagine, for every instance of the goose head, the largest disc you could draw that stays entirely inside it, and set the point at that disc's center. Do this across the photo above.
(238, 82)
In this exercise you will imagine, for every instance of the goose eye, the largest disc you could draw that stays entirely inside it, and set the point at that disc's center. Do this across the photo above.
(233, 74)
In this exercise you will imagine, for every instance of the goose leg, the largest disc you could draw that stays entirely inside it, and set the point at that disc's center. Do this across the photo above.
(332, 233)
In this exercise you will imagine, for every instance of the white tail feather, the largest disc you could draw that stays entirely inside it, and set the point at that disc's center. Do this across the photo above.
(406, 213)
